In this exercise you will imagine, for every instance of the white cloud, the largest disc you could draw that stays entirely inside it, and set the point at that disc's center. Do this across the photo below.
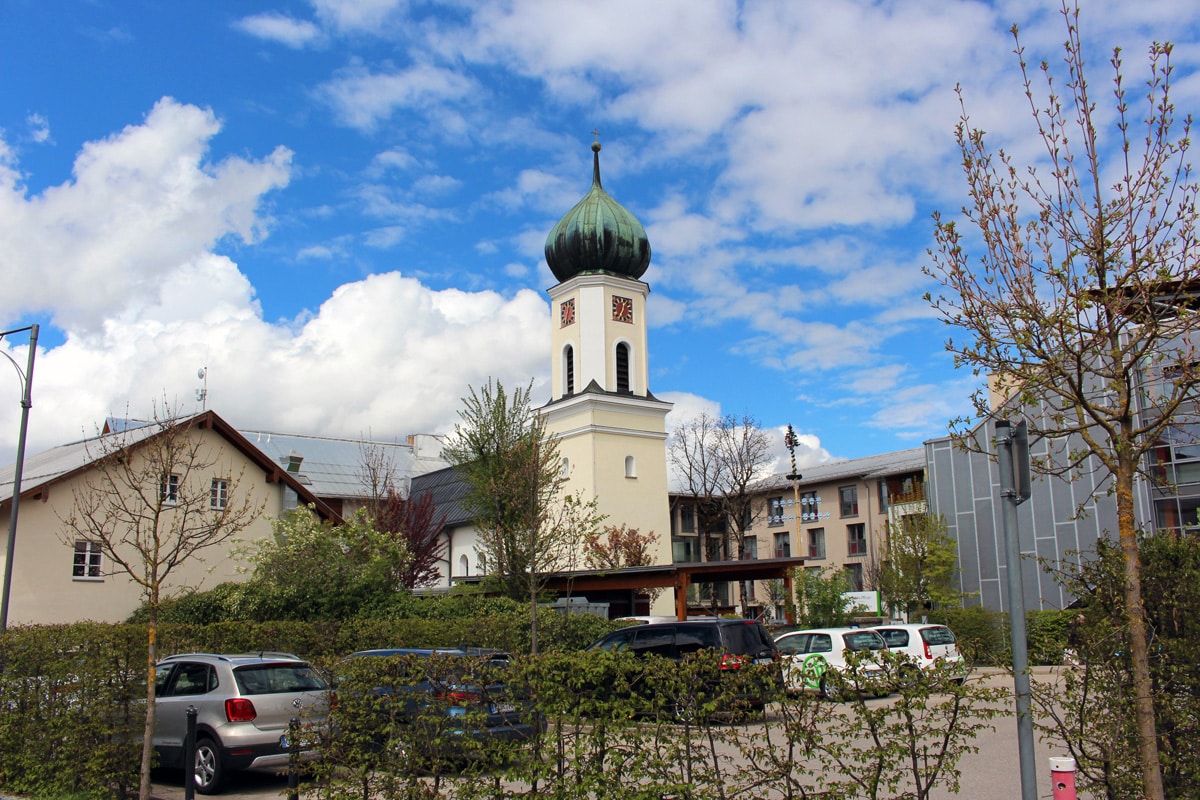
(355, 16)
(39, 128)
(288, 31)
(363, 99)
(143, 203)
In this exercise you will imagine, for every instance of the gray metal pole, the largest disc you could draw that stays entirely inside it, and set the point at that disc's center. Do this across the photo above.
(18, 468)
(1016, 608)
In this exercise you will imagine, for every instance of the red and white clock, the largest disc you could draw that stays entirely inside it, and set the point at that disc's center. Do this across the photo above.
(566, 313)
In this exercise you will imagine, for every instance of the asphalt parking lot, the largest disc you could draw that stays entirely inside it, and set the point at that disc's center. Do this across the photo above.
(991, 774)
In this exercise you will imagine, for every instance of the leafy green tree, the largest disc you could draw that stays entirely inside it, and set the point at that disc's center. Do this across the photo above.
(312, 570)
(918, 568)
(1080, 299)
(820, 597)
(528, 525)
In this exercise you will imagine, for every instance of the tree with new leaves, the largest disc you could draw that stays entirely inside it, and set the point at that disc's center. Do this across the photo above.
(1080, 301)
(528, 525)
(918, 567)
(618, 546)
(718, 459)
(157, 498)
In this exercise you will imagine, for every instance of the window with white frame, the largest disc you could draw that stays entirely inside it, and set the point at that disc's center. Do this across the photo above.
(219, 495)
(854, 576)
(783, 545)
(169, 492)
(856, 539)
(810, 506)
(750, 547)
(775, 511)
(848, 496)
(88, 561)
(816, 543)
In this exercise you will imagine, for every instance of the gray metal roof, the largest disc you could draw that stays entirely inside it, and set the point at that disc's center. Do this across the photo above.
(448, 491)
(58, 463)
(49, 465)
(333, 467)
(867, 468)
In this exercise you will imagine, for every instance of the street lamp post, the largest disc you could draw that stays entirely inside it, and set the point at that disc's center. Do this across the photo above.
(26, 402)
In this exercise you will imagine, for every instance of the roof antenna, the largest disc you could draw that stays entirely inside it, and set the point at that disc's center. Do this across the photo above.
(202, 392)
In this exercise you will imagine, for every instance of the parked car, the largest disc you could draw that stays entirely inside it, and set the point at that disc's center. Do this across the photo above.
(244, 705)
(737, 643)
(925, 646)
(456, 697)
(816, 660)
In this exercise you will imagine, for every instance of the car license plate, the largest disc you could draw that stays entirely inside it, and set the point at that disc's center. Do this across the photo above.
(764, 661)
(504, 708)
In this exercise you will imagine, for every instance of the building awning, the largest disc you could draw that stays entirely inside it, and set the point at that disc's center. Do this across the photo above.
(676, 576)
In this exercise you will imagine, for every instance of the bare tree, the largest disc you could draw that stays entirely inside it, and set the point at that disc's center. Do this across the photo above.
(1082, 299)
(718, 459)
(377, 472)
(157, 497)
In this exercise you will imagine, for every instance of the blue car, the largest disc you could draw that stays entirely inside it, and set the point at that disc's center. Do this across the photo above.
(447, 706)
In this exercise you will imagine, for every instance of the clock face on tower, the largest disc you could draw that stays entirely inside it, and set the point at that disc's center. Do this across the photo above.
(566, 313)
(622, 309)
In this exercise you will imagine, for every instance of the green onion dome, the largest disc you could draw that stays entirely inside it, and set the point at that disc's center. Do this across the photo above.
(597, 235)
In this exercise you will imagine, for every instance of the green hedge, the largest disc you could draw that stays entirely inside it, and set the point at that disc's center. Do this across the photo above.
(985, 639)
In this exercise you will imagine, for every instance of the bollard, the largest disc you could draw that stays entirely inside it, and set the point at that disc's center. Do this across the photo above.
(189, 755)
(1062, 774)
(293, 743)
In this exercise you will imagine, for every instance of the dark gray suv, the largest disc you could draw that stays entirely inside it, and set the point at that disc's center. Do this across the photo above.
(244, 704)
(737, 643)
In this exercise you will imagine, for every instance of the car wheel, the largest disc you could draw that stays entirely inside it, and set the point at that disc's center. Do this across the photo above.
(683, 710)
(907, 676)
(209, 772)
(828, 689)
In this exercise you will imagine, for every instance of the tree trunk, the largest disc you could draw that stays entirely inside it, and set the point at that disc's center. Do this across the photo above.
(1143, 688)
(148, 730)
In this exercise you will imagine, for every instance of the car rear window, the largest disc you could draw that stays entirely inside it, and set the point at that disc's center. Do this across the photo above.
(938, 635)
(277, 679)
(690, 638)
(865, 640)
(895, 637)
(743, 639)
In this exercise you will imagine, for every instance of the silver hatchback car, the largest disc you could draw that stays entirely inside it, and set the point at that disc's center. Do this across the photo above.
(244, 705)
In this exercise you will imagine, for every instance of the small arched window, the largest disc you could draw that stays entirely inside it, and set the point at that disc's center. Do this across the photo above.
(623, 368)
(565, 469)
(569, 369)
(464, 567)
(630, 467)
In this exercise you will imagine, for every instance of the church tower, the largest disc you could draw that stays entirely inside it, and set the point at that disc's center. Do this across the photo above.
(611, 430)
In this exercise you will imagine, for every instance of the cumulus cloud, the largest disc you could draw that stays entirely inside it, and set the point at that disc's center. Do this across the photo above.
(143, 301)
(142, 203)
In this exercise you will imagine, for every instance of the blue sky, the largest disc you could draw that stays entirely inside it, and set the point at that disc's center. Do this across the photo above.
(338, 207)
